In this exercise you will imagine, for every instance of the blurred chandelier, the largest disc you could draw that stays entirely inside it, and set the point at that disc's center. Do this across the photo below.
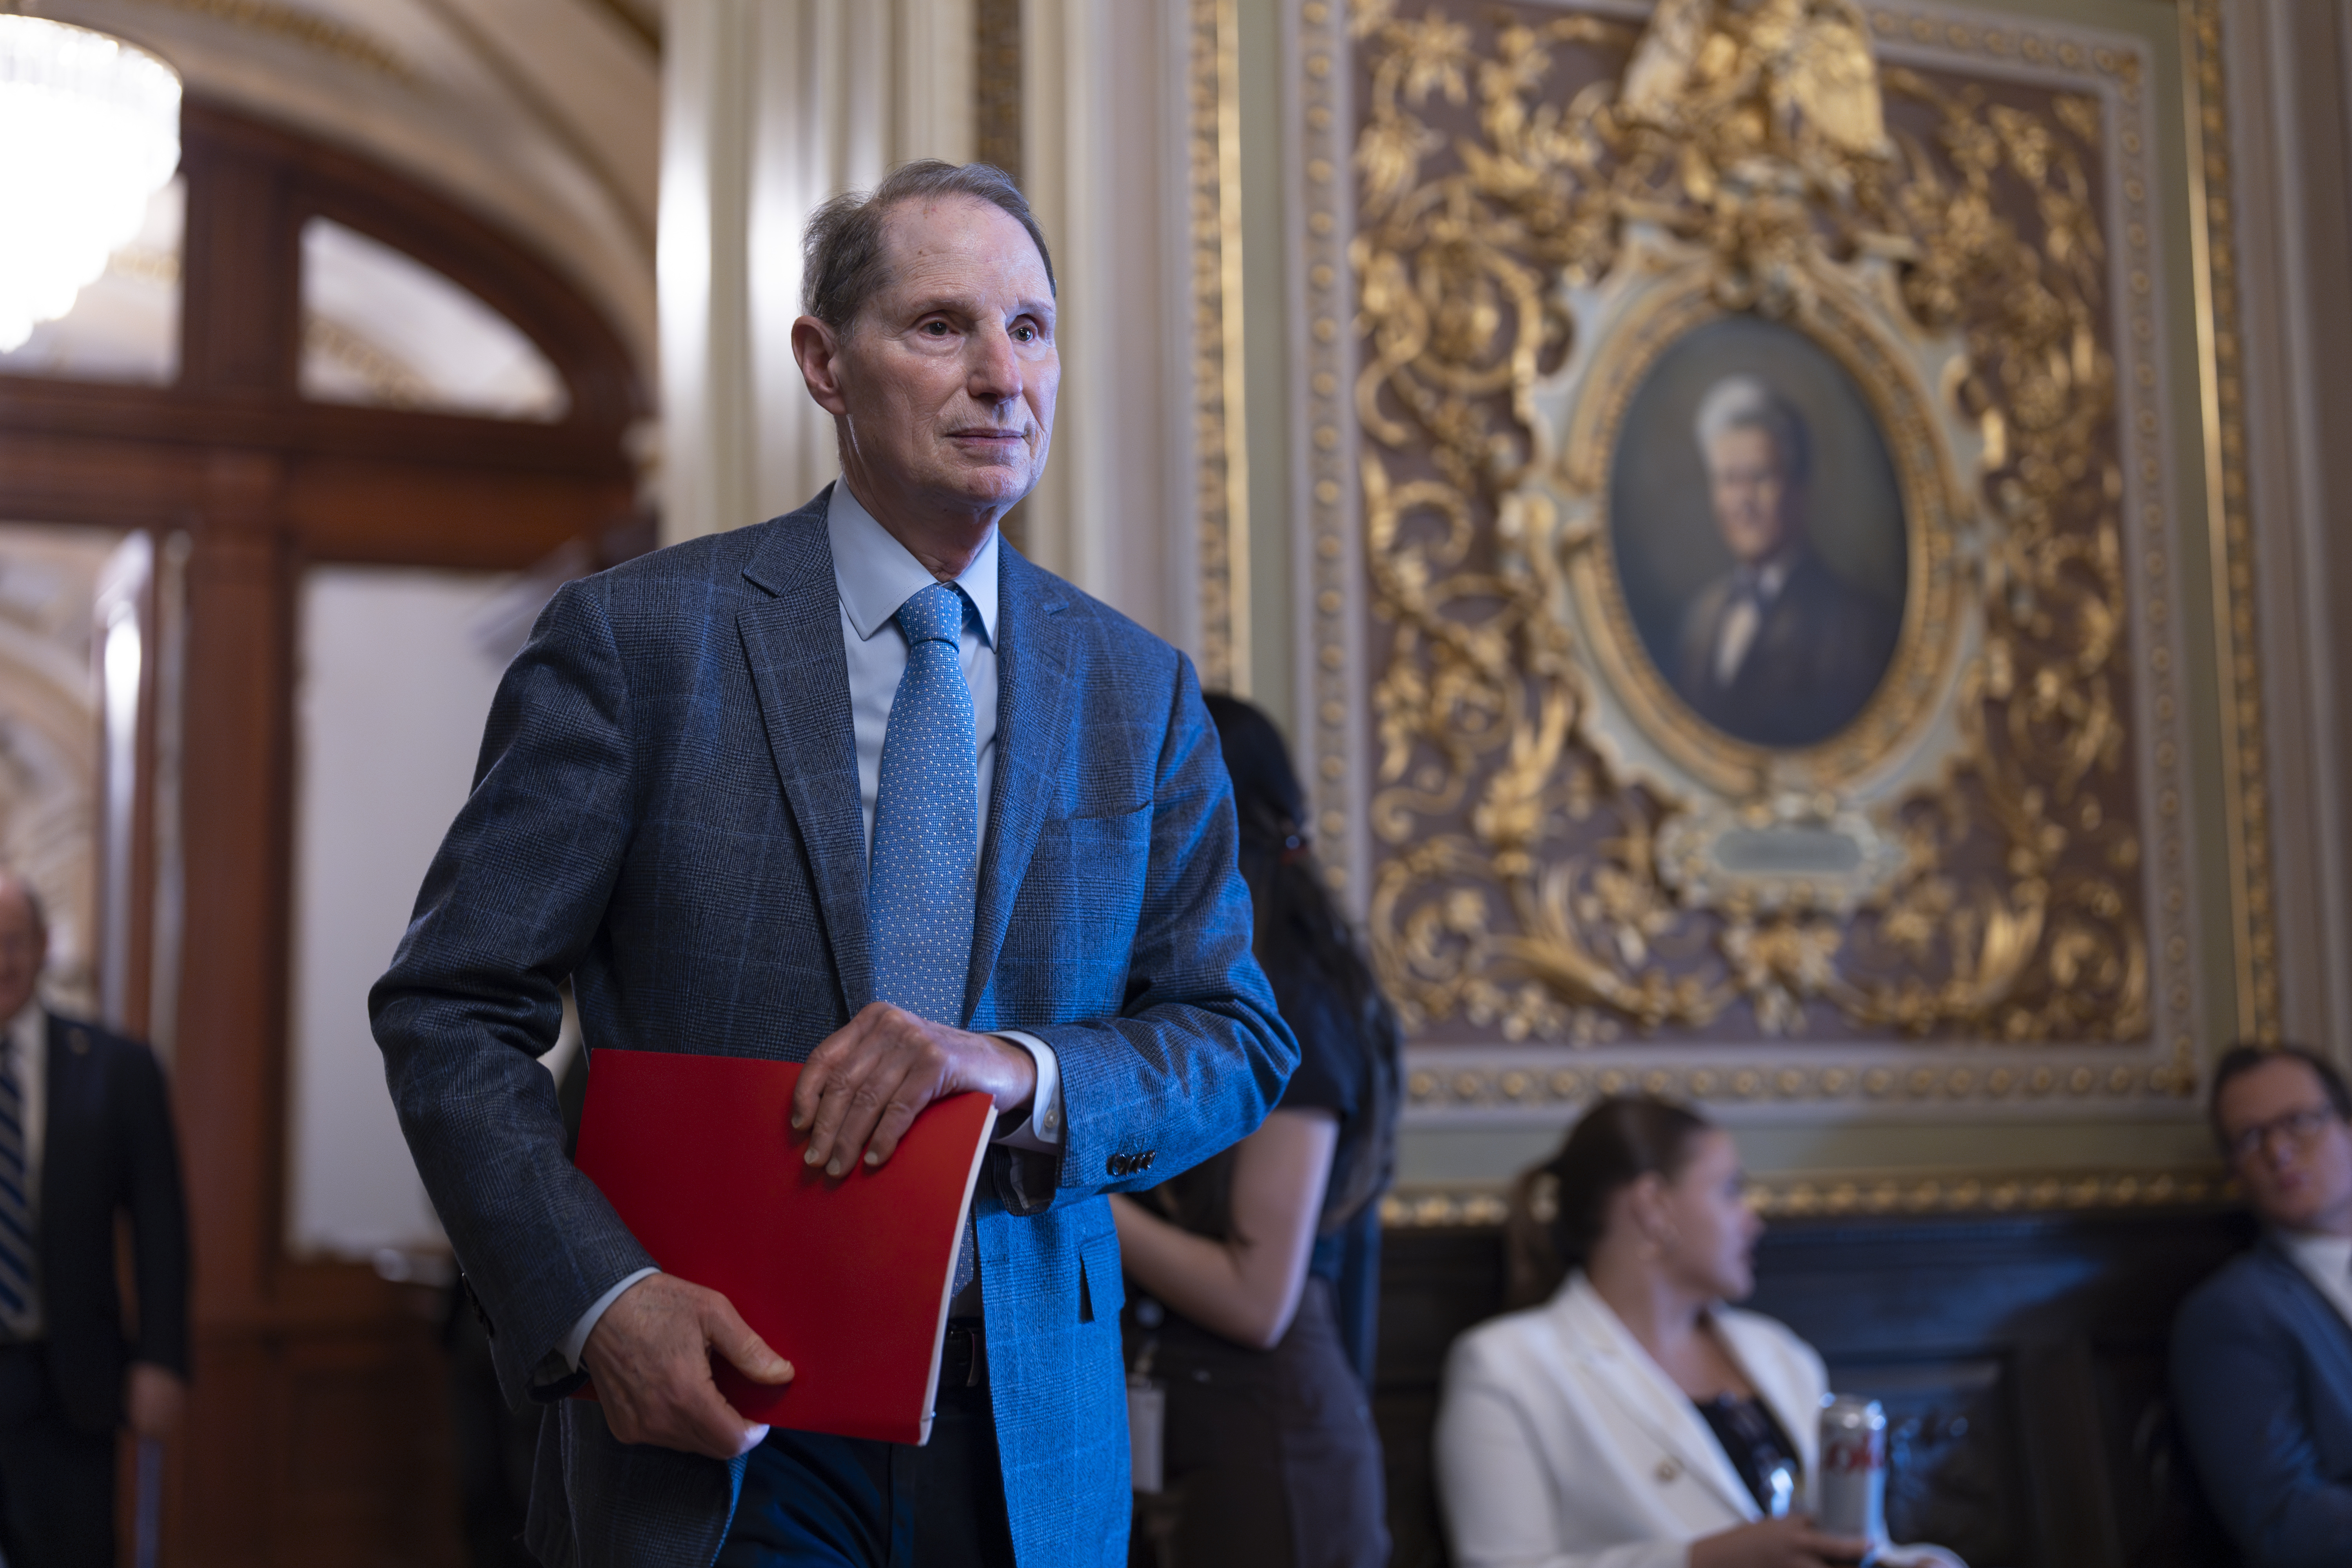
(89, 128)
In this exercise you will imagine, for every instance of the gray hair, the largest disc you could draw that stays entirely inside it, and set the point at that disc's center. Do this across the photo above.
(1748, 402)
(844, 259)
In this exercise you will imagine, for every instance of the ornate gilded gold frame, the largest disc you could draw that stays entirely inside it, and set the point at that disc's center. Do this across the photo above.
(2246, 788)
(1516, 1074)
(1811, 800)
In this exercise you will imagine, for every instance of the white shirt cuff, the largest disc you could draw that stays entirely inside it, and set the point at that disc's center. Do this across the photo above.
(1041, 1131)
(577, 1340)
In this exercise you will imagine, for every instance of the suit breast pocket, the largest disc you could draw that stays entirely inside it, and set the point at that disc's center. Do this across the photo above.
(1080, 900)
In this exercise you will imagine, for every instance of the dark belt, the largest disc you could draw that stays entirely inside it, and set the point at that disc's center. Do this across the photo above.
(963, 1359)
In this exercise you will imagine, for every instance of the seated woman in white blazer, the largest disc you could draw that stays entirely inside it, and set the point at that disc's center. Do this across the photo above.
(1635, 1421)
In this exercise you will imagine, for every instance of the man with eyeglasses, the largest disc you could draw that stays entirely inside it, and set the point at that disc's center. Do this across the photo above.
(2261, 1352)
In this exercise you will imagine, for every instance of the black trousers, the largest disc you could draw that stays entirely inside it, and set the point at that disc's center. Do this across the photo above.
(57, 1481)
(851, 1502)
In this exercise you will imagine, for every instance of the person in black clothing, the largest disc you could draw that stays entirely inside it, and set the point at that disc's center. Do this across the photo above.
(1258, 1270)
(86, 1140)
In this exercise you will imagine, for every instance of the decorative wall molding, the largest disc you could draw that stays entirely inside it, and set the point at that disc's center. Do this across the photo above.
(1328, 570)
(1451, 1085)
(1220, 450)
(1876, 1194)
(2246, 782)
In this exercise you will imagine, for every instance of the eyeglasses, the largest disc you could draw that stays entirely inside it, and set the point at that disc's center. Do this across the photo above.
(2300, 1128)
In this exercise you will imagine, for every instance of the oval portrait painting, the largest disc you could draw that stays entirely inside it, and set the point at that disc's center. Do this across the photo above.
(1758, 534)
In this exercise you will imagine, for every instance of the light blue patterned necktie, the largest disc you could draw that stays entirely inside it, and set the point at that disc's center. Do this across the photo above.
(926, 861)
(16, 1211)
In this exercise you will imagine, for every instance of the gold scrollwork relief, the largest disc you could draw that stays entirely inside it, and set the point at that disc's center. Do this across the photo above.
(1544, 203)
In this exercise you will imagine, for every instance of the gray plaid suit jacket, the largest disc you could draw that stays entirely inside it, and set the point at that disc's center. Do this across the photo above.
(665, 811)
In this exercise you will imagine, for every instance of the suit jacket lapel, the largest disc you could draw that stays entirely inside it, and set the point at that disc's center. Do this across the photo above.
(1033, 658)
(1797, 1409)
(60, 1073)
(792, 637)
(1646, 1396)
(2325, 1324)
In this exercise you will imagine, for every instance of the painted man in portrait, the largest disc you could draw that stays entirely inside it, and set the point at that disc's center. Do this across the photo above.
(1781, 650)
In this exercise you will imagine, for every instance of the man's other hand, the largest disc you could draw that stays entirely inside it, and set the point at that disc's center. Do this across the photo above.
(650, 1355)
(863, 1086)
(154, 1397)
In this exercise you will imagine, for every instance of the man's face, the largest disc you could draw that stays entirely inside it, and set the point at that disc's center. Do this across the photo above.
(948, 375)
(1755, 505)
(2290, 1150)
(23, 950)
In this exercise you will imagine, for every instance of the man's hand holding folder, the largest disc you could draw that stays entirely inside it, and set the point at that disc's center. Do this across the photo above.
(650, 1355)
(862, 1087)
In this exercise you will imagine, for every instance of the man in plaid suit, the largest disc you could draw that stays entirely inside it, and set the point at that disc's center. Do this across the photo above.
(712, 794)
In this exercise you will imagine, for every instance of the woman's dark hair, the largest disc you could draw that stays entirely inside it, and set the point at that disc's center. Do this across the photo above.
(1304, 944)
(1559, 1209)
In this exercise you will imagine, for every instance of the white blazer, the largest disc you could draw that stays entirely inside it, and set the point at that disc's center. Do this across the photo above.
(1561, 1444)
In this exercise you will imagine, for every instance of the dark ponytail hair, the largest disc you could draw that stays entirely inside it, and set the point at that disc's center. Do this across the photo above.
(1560, 1209)
(1302, 940)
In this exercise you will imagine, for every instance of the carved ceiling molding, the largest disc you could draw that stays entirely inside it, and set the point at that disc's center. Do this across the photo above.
(2049, 915)
(352, 46)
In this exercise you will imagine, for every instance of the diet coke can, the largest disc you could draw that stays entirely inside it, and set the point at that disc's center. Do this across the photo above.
(1851, 1496)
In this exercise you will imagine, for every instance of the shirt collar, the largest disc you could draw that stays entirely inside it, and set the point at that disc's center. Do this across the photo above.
(876, 573)
(27, 1030)
(1766, 579)
(2320, 1254)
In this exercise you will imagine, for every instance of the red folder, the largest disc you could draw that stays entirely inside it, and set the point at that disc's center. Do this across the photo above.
(849, 1280)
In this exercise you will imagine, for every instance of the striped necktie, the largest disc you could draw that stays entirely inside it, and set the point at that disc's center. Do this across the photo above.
(927, 830)
(16, 1314)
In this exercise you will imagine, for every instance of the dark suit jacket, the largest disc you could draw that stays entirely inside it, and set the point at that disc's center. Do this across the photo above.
(667, 811)
(108, 1149)
(2261, 1376)
(1816, 657)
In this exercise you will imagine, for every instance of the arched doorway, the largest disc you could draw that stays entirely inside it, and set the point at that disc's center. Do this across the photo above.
(276, 444)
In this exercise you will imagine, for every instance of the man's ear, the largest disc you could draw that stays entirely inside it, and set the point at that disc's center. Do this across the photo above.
(817, 349)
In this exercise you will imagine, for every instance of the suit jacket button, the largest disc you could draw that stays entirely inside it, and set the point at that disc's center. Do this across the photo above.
(1115, 1166)
(79, 1040)
(1143, 1161)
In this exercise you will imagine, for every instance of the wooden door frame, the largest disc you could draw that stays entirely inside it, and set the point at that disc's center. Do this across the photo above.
(315, 1407)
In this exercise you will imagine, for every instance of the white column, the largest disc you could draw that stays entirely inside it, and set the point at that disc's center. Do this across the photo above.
(770, 107)
(1104, 122)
